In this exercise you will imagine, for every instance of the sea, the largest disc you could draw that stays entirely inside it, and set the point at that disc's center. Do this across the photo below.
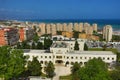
(115, 23)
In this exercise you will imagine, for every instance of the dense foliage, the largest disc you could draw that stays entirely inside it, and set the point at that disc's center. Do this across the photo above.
(12, 62)
(49, 69)
(47, 43)
(85, 47)
(76, 47)
(94, 69)
(34, 67)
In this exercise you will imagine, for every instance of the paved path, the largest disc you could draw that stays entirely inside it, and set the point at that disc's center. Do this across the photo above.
(61, 70)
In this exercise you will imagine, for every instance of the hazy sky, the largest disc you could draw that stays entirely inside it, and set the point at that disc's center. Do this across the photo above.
(60, 9)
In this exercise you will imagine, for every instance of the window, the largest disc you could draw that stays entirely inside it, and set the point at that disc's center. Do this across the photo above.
(72, 63)
(67, 57)
(108, 58)
(41, 57)
(81, 63)
(80, 57)
(85, 57)
(89, 57)
(41, 62)
(112, 58)
(71, 57)
(59, 57)
(45, 56)
(76, 57)
(103, 58)
(50, 57)
(46, 62)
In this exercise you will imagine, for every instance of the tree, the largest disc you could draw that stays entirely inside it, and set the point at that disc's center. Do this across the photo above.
(34, 67)
(39, 45)
(104, 47)
(4, 57)
(75, 34)
(76, 47)
(25, 45)
(118, 56)
(33, 45)
(115, 74)
(12, 62)
(95, 69)
(59, 32)
(74, 70)
(35, 37)
(47, 43)
(16, 63)
(50, 70)
(85, 47)
(19, 45)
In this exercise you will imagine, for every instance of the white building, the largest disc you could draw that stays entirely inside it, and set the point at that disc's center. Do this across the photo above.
(107, 33)
(61, 53)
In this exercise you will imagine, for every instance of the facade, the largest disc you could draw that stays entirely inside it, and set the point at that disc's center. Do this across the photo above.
(61, 52)
(65, 27)
(107, 33)
(76, 26)
(48, 29)
(8, 36)
(42, 28)
(25, 33)
(94, 27)
(53, 29)
(80, 27)
(70, 26)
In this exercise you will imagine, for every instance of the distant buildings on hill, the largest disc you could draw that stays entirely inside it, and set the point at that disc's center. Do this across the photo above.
(20, 31)
(70, 27)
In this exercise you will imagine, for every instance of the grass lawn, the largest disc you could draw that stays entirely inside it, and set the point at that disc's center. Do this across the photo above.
(100, 49)
(68, 77)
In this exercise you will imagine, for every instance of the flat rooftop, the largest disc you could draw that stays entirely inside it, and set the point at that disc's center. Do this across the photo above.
(92, 52)
(59, 45)
(71, 53)
(35, 51)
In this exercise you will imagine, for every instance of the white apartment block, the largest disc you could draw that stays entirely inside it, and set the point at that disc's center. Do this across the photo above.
(107, 33)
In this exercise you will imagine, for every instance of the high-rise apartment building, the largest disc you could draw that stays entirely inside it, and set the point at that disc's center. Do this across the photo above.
(53, 29)
(70, 26)
(86, 27)
(80, 27)
(48, 29)
(64, 27)
(94, 27)
(76, 27)
(107, 33)
(42, 28)
(8, 36)
(25, 33)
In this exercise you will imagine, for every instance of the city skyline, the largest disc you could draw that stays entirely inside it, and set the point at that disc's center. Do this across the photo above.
(62, 9)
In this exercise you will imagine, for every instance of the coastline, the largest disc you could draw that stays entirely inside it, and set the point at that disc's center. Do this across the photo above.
(115, 23)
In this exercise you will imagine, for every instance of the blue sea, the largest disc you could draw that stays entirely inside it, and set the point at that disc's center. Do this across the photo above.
(101, 22)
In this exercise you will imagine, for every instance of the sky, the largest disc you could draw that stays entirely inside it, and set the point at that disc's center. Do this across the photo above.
(59, 9)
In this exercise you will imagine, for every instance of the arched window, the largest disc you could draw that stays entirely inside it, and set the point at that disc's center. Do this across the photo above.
(72, 63)
(46, 62)
(41, 62)
(67, 62)
(81, 63)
